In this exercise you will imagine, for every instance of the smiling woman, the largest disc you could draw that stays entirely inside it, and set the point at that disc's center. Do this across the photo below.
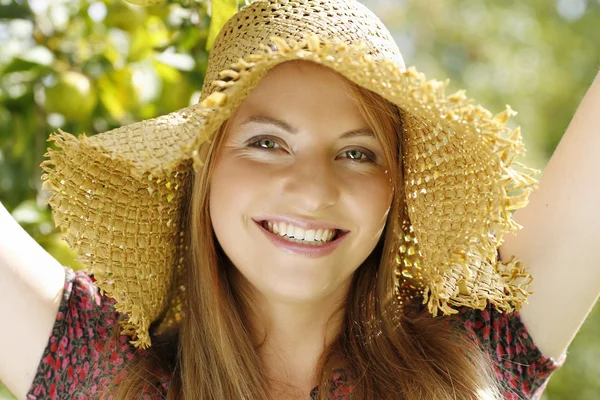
(306, 180)
(301, 305)
(293, 235)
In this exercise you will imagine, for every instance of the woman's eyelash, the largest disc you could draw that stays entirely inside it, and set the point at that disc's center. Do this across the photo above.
(365, 155)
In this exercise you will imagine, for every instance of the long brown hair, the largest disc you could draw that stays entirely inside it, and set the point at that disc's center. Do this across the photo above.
(386, 353)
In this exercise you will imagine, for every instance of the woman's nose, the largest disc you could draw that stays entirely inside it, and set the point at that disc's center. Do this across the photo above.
(310, 185)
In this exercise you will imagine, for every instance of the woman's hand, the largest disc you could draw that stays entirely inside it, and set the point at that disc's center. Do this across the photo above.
(560, 239)
(31, 286)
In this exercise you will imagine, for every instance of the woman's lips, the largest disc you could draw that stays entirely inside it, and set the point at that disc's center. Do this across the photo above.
(308, 250)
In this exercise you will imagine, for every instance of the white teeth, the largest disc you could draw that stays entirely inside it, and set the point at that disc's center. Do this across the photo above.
(299, 235)
(280, 229)
(319, 234)
(309, 235)
(319, 243)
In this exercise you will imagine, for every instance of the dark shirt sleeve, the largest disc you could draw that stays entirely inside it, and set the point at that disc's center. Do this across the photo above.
(519, 365)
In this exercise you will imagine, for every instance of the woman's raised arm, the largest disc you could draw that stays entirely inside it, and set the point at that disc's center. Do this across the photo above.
(560, 239)
(31, 286)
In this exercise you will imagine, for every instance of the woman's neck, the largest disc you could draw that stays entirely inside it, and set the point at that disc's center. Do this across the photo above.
(296, 336)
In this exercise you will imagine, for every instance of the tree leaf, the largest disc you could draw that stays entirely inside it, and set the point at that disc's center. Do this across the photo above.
(18, 64)
(221, 11)
(16, 10)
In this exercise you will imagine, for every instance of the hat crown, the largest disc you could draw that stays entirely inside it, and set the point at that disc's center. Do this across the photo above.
(346, 20)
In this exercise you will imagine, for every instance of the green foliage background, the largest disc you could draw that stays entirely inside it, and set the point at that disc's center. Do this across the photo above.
(133, 63)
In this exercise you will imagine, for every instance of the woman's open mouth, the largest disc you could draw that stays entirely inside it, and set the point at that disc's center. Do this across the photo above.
(315, 237)
(308, 242)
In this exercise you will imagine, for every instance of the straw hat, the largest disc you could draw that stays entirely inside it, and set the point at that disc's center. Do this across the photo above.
(119, 196)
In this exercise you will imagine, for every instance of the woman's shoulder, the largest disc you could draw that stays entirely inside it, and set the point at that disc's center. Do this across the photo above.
(82, 355)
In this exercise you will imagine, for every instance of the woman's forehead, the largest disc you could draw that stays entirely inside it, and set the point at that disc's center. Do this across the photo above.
(300, 73)
(302, 84)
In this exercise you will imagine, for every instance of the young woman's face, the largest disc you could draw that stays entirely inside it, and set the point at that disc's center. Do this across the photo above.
(299, 154)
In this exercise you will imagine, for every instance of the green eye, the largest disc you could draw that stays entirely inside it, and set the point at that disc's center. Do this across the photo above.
(356, 155)
(360, 156)
(265, 143)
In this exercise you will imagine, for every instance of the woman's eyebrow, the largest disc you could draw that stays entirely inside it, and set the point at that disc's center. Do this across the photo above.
(261, 119)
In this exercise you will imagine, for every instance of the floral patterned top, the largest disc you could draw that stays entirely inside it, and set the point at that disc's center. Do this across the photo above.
(73, 365)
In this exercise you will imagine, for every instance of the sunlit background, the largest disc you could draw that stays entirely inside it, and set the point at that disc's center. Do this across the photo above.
(88, 66)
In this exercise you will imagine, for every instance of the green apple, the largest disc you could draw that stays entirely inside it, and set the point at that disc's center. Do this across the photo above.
(73, 95)
(125, 16)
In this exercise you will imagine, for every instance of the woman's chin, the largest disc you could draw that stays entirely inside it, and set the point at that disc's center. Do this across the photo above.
(295, 290)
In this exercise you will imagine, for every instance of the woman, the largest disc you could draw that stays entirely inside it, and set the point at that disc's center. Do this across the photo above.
(282, 238)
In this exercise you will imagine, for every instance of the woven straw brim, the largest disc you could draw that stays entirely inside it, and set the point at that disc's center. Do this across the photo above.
(118, 196)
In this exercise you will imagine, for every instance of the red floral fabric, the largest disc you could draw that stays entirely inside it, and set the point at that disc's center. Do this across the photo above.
(519, 365)
(74, 367)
